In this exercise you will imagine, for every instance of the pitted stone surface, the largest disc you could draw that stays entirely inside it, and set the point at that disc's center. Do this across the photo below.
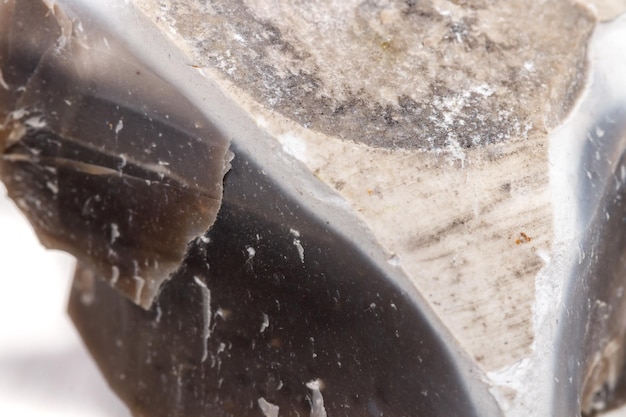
(433, 75)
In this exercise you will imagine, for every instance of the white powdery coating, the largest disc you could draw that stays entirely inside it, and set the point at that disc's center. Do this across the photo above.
(394, 85)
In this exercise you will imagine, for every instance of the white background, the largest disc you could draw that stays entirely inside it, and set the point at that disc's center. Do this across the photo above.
(44, 369)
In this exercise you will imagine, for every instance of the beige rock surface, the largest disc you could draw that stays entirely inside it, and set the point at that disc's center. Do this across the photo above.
(429, 118)
(403, 74)
(606, 9)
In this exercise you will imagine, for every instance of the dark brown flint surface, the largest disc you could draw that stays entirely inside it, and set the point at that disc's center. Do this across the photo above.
(276, 319)
(108, 161)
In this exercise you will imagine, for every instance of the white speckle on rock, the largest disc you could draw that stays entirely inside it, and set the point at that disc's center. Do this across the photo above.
(237, 37)
(484, 90)
(3, 83)
(115, 274)
(266, 322)
(297, 243)
(115, 232)
(317, 400)
(599, 132)
(268, 409)
(455, 151)
(119, 126)
(139, 284)
(206, 315)
(293, 145)
(36, 122)
(52, 186)
(394, 261)
(159, 313)
(529, 66)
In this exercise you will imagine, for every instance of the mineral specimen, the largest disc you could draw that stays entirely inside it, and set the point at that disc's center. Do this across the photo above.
(101, 153)
(397, 235)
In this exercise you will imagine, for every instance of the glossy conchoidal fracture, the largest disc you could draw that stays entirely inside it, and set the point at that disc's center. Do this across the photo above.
(100, 153)
(270, 312)
(205, 289)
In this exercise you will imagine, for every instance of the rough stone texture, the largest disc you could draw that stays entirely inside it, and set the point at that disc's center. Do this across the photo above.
(407, 130)
(472, 244)
(429, 118)
(431, 75)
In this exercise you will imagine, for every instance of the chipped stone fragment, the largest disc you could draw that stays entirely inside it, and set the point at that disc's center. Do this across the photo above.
(395, 205)
(100, 152)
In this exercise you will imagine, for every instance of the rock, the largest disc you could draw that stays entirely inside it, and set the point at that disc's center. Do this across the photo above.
(98, 151)
(408, 228)
(429, 119)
